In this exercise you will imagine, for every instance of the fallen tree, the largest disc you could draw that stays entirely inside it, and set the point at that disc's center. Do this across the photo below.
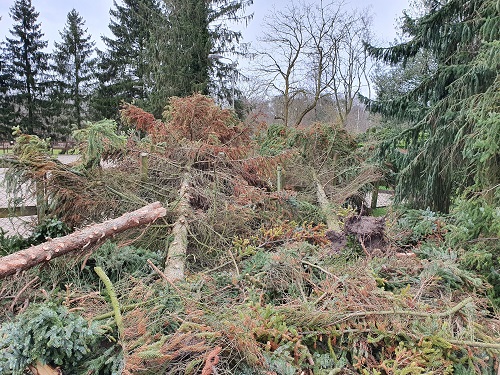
(79, 240)
(176, 256)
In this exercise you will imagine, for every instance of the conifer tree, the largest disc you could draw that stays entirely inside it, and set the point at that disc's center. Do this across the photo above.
(452, 145)
(5, 108)
(123, 67)
(27, 69)
(179, 49)
(179, 53)
(74, 67)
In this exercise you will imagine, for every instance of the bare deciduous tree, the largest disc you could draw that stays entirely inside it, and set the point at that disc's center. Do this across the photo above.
(312, 54)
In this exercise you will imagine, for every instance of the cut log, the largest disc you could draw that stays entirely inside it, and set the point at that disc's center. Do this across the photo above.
(176, 255)
(332, 221)
(81, 239)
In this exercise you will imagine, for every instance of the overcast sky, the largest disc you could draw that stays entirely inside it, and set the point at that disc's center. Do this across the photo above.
(53, 15)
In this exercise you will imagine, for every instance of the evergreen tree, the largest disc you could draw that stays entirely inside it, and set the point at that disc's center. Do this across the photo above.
(74, 67)
(5, 108)
(26, 69)
(123, 67)
(179, 53)
(453, 143)
(180, 48)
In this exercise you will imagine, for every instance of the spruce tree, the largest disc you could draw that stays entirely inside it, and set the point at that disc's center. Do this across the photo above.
(74, 67)
(27, 69)
(123, 67)
(453, 143)
(178, 52)
(5, 107)
(180, 48)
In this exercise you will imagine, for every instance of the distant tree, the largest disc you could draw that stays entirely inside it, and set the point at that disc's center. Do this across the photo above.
(27, 69)
(321, 55)
(5, 107)
(123, 67)
(180, 49)
(74, 67)
(452, 145)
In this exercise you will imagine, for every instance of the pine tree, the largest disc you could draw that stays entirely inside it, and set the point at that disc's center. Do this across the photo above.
(27, 69)
(74, 67)
(453, 143)
(123, 66)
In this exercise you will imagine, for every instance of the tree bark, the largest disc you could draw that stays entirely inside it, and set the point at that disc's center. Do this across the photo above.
(176, 255)
(79, 240)
(332, 221)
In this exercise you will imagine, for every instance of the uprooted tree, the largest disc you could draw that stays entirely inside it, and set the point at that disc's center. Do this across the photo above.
(214, 174)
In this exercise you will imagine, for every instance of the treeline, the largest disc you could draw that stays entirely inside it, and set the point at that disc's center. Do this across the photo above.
(158, 49)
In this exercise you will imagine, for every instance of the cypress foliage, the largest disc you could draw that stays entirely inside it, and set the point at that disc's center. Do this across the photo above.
(74, 68)
(453, 142)
(26, 69)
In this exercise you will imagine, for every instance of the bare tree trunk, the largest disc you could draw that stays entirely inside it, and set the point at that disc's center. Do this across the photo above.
(176, 256)
(332, 221)
(79, 240)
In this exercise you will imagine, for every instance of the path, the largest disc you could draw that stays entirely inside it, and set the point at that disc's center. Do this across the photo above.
(23, 225)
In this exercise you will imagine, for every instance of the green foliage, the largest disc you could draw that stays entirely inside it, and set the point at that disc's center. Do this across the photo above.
(47, 334)
(28, 146)
(48, 228)
(27, 64)
(274, 140)
(475, 228)
(123, 66)
(11, 244)
(414, 226)
(124, 261)
(452, 143)
(446, 266)
(474, 218)
(74, 67)
(99, 141)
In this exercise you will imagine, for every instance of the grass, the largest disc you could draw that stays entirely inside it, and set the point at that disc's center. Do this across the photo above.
(379, 211)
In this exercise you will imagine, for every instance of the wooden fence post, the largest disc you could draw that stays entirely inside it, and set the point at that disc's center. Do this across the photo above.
(40, 199)
(144, 166)
(376, 186)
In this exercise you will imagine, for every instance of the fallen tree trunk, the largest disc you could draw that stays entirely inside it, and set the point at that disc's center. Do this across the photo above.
(81, 239)
(332, 221)
(176, 255)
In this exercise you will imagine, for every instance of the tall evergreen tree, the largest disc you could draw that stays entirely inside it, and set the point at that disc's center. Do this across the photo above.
(27, 68)
(123, 65)
(453, 143)
(5, 107)
(74, 66)
(179, 53)
(180, 48)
